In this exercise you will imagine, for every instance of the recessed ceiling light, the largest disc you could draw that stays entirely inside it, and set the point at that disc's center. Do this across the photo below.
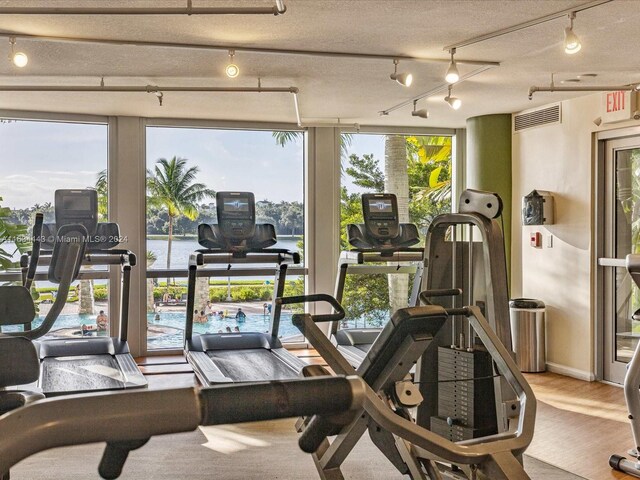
(588, 75)
(571, 80)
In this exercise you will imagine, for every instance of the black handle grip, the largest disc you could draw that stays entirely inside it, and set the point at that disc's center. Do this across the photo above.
(426, 295)
(252, 402)
(35, 250)
(114, 457)
(339, 313)
(314, 434)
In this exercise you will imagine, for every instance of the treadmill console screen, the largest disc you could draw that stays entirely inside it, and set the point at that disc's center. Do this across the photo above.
(77, 207)
(380, 212)
(236, 214)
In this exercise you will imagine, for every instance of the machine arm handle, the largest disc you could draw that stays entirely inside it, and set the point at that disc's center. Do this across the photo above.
(426, 295)
(114, 457)
(279, 399)
(338, 314)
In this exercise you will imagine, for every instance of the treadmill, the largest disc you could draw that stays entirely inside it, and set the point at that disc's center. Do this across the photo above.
(84, 364)
(236, 240)
(381, 238)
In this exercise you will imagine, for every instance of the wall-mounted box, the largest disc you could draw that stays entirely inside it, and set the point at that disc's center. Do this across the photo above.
(537, 208)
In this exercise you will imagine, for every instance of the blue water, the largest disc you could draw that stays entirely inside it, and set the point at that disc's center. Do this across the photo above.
(255, 322)
(175, 339)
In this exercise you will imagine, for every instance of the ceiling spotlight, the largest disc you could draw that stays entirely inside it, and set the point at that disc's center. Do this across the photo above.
(454, 102)
(404, 79)
(232, 69)
(19, 59)
(571, 41)
(452, 75)
(422, 113)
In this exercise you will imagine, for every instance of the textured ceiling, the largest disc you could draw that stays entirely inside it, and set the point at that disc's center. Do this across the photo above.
(354, 90)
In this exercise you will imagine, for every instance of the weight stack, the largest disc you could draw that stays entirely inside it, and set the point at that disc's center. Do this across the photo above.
(466, 396)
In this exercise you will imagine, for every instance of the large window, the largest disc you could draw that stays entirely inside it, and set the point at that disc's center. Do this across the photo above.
(191, 164)
(415, 168)
(37, 158)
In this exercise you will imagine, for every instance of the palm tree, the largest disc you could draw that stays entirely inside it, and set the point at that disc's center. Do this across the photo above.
(283, 138)
(151, 259)
(87, 301)
(396, 180)
(101, 187)
(171, 186)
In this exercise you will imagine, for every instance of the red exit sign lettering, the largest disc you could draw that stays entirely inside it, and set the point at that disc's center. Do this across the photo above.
(617, 106)
(615, 101)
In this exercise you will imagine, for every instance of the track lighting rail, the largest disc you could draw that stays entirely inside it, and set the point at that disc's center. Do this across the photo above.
(157, 90)
(141, 88)
(278, 8)
(434, 91)
(226, 48)
(590, 88)
(527, 24)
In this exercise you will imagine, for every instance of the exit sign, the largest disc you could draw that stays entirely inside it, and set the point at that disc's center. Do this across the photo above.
(617, 106)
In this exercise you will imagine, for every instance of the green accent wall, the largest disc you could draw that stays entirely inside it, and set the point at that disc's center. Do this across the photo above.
(489, 163)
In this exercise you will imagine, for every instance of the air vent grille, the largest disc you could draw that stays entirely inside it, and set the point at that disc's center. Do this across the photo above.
(536, 118)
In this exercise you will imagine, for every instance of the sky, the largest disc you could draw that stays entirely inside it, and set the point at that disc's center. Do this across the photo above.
(39, 157)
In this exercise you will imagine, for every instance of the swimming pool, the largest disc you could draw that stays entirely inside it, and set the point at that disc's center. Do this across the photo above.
(168, 332)
(255, 322)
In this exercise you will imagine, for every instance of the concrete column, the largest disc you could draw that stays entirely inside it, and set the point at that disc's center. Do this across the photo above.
(489, 162)
(127, 179)
(322, 229)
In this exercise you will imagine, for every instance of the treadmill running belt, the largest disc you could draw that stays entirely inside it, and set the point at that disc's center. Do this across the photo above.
(251, 365)
(80, 374)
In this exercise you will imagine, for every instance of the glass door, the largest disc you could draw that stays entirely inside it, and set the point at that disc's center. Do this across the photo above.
(621, 237)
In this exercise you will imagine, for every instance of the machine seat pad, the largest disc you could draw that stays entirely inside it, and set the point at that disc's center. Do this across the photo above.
(356, 336)
(423, 320)
(19, 360)
(16, 305)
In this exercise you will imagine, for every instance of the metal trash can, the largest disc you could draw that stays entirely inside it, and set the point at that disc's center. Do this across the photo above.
(527, 333)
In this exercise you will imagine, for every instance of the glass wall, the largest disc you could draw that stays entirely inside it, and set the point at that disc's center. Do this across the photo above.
(185, 167)
(37, 158)
(418, 170)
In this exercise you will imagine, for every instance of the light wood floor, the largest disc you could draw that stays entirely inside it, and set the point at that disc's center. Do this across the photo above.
(578, 424)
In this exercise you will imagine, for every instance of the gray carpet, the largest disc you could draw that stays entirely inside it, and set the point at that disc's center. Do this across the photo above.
(260, 451)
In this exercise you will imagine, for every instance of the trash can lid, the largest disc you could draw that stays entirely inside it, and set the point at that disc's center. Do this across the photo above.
(525, 303)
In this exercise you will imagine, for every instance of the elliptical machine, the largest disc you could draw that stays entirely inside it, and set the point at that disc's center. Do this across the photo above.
(631, 392)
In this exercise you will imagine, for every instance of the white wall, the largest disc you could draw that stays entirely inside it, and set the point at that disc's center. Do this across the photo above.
(560, 158)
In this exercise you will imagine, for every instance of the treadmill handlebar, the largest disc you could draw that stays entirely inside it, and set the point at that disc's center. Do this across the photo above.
(32, 260)
(426, 295)
(338, 314)
(265, 255)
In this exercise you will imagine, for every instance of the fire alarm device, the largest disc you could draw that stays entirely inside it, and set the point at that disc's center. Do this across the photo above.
(536, 239)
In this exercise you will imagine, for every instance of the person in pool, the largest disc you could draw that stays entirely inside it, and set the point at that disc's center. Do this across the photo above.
(240, 315)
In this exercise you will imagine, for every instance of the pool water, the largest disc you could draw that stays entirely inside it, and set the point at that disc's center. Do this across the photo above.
(173, 337)
(255, 322)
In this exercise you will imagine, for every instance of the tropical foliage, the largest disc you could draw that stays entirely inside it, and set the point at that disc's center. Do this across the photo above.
(366, 298)
(13, 238)
(171, 187)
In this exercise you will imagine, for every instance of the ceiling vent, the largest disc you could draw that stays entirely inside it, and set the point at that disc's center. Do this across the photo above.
(536, 118)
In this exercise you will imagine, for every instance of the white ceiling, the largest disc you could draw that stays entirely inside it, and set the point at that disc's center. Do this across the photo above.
(354, 90)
